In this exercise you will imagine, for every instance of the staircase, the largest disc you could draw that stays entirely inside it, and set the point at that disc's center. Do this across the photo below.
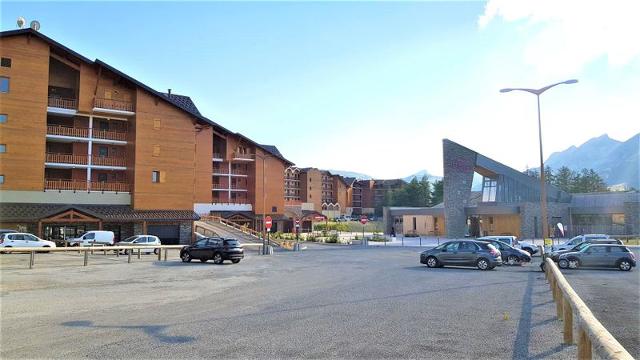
(227, 229)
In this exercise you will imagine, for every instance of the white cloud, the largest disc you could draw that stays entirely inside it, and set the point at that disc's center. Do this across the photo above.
(562, 37)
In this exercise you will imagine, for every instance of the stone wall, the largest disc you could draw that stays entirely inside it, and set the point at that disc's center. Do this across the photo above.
(632, 218)
(459, 163)
(186, 228)
(530, 211)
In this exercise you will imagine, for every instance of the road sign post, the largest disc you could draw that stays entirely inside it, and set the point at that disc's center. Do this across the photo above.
(268, 222)
(363, 221)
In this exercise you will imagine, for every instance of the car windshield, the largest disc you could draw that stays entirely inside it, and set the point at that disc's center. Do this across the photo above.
(581, 246)
(130, 238)
(231, 243)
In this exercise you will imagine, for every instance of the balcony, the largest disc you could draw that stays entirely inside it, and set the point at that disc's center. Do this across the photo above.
(243, 156)
(108, 161)
(218, 157)
(110, 135)
(66, 159)
(113, 106)
(62, 103)
(66, 184)
(62, 130)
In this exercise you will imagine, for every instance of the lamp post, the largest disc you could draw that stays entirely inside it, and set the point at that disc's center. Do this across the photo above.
(543, 189)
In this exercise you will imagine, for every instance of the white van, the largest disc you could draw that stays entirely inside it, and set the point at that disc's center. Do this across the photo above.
(94, 237)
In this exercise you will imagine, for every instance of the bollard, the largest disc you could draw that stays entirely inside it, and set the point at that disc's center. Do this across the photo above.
(584, 345)
(118, 253)
(159, 254)
(568, 322)
(104, 252)
(129, 255)
(165, 254)
(420, 241)
(138, 253)
(86, 257)
(32, 259)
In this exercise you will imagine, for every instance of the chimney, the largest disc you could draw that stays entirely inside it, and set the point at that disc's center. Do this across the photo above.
(169, 92)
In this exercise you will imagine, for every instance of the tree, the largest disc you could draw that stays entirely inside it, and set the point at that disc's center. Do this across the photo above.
(565, 179)
(438, 192)
(587, 181)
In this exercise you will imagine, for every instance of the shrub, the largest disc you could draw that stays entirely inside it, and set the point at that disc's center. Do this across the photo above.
(332, 239)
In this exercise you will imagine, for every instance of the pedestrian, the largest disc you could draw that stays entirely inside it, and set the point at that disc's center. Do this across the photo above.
(393, 232)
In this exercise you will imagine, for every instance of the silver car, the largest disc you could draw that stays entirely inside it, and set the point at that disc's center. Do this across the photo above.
(599, 255)
(141, 240)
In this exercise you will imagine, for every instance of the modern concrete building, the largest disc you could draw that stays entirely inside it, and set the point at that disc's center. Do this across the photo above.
(509, 204)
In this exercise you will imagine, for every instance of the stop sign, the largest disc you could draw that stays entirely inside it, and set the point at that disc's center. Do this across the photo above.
(267, 222)
(297, 222)
(363, 220)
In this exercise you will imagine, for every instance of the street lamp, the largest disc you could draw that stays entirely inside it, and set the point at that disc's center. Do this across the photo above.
(543, 190)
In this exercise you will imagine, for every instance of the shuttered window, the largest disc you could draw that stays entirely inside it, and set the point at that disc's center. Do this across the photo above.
(156, 124)
(156, 150)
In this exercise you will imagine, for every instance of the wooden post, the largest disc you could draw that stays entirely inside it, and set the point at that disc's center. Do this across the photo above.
(159, 254)
(138, 253)
(584, 345)
(144, 227)
(559, 301)
(86, 257)
(165, 254)
(118, 253)
(31, 259)
(40, 229)
(99, 225)
(129, 251)
(568, 322)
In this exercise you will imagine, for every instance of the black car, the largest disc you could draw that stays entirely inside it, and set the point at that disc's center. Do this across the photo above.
(510, 255)
(462, 253)
(216, 249)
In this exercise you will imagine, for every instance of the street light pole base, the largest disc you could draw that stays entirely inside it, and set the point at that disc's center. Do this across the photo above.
(267, 251)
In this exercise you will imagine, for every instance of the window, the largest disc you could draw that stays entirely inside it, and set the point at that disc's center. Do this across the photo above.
(3, 148)
(1, 179)
(102, 177)
(467, 246)
(156, 150)
(274, 209)
(90, 236)
(616, 219)
(3, 118)
(103, 151)
(489, 187)
(156, 124)
(5, 62)
(202, 243)
(155, 176)
(452, 246)
(4, 84)
(30, 237)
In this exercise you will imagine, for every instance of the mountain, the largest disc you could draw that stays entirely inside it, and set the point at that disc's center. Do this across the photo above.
(420, 174)
(616, 161)
(353, 174)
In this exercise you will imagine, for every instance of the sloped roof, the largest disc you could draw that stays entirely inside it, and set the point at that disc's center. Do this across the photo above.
(37, 211)
(273, 150)
(183, 101)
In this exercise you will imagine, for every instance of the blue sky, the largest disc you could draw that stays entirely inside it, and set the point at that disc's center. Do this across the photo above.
(374, 87)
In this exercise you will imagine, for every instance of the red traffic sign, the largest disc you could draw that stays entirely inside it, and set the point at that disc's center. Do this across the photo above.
(363, 220)
(297, 221)
(267, 222)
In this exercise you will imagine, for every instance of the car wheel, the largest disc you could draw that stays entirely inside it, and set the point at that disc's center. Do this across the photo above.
(203, 260)
(235, 261)
(217, 258)
(512, 260)
(563, 263)
(156, 251)
(432, 262)
(529, 250)
(185, 256)
(483, 264)
(624, 265)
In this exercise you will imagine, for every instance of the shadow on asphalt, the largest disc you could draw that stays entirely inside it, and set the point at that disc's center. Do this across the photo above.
(155, 331)
(179, 263)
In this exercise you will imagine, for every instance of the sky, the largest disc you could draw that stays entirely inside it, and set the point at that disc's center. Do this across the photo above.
(374, 87)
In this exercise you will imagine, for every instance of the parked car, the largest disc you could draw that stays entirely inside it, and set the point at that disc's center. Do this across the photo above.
(510, 255)
(463, 252)
(555, 255)
(577, 240)
(141, 240)
(94, 237)
(18, 240)
(599, 255)
(5, 231)
(372, 218)
(513, 242)
(216, 249)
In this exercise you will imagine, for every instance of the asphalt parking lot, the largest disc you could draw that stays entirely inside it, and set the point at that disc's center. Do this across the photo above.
(325, 302)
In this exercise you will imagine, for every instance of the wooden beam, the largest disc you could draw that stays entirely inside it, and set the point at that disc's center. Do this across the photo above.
(65, 61)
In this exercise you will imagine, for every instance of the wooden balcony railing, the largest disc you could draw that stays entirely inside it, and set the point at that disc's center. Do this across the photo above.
(67, 158)
(242, 156)
(109, 186)
(60, 184)
(67, 131)
(112, 104)
(108, 161)
(110, 135)
(217, 156)
(55, 101)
